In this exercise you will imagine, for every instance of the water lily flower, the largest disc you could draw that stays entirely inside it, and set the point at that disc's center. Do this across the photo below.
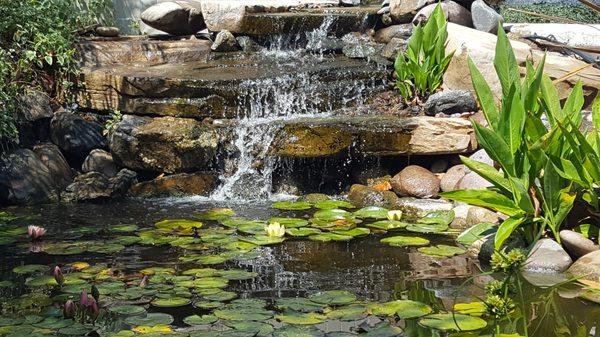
(394, 215)
(275, 230)
(69, 309)
(144, 281)
(94, 309)
(35, 232)
(84, 299)
(58, 276)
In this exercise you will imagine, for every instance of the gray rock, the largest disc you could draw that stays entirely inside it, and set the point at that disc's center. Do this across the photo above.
(350, 3)
(413, 208)
(108, 31)
(24, 179)
(362, 196)
(181, 17)
(327, 44)
(547, 256)
(460, 217)
(177, 185)
(225, 42)
(544, 280)
(391, 50)
(359, 46)
(450, 179)
(34, 105)
(476, 215)
(576, 244)
(416, 181)
(386, 34)
(455, 13)
(483, 248)
(247, 44)
(95, 186)
(100, 161)
(472, 181)
(75, 136)
(484, 17)
(450, 102)
(56, 163)
(482, 157)
(587, 267)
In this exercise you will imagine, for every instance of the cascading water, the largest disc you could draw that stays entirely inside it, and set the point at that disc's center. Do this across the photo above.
(265, 104)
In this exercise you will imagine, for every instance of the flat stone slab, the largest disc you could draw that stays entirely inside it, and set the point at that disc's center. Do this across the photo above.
(226, 88)
(172, 145)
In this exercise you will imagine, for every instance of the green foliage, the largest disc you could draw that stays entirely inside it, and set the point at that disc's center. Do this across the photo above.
(420, 68)
(37, 48)
(115, 117)
(571, 11)
(536, 186)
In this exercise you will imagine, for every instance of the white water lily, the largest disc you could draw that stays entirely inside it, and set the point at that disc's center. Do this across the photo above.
(275, 230)
(395, 215)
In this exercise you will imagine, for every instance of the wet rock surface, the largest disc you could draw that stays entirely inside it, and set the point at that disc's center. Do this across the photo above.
(177, 185)
(386, 34)
(363, 196)
(450, 102)
(416, 181)
(56, 163)
(225, 42)
(100, 161)
(413, 208)
(547, 256)
(24, 179)
(576, 244)
(75, 136)
(181, 17)
(95, 186)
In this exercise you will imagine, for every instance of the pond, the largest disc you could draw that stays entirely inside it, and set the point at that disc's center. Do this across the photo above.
(161, 277)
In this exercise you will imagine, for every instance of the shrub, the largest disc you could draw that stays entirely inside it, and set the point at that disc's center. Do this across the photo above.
(419, 69)
(37, 48)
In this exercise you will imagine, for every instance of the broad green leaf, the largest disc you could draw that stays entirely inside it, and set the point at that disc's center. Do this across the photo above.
(485, 198)
(484, 95)
(496, 147)
(505, 230)
(488, 173)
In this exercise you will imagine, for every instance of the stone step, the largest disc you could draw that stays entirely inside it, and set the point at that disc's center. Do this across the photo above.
(228, 88)
(171, 145)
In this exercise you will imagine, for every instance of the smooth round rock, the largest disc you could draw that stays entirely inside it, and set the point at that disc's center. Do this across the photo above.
(100, 161)
(450, 102)
(472, 181)
(451, 178)
(576, 244)
(587, 267)
(416, 181)
(225, 42)
(547, 256)
(484, 17)
(476, 215)
(108, 31)
(455, 13)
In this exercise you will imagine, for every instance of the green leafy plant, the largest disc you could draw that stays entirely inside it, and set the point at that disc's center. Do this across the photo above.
(528, 187)
(419, 69)
(115, 117)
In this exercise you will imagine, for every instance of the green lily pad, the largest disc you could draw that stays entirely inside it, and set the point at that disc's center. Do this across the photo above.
(54, 323)
(387, 225)
(442, 250)
(221, 296)
(207, 304)
(384, 330)
(215, 214)
(127, 310)
(301, 318)
(302, 232)
(333, 297)
(289, 222)
(211, 259)
(359, 231)
(350, 312)
(200, 320)
(104, 248)
(402, 241)
(329, 215)
(124, 228)
(438, 218)
(178, 224)
(171, 302)
(153, 318)
(76, 329)
(263, 240)
(372, 212)
(252, 228)
(473, 308)
(298, 331)
(332, 204)
(298, 304)
(40, 281)
(244, 314)
(476, 232)
(30, 269)
(252, 328)
(453, 322)
(292, 205)
(427, 228)
(405, 309)
(326, 237)
(125, 240)
(6, 321)
(6, 284)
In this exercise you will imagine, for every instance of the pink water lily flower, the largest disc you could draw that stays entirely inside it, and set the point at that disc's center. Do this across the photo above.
(69, 309)
(35, 232)
(58, 276)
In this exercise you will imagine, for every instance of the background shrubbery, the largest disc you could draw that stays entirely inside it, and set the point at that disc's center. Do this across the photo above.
(37, 49)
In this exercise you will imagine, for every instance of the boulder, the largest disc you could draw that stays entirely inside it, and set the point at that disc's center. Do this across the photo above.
(482, 157)
(413, 208)
(484, 17)
(392, 48)
(75, 136)
(95, 186)
(576, 244)
(349, 3)
(225, 42)
(370, 174)
(108, 31)
(56, 163)
(450, 179)
(177, 185)
(460, 217)
(476, 215)
(402, 11)
(181, 17)
(24, 179)
(450, 102)
(34, 105)
(416, 181)
(363, 196)
(386, 34)
(472, 181)
(587, 268)
(547, 256)
(100, 161)
(248, 44)
(455, 13)
(165, 144)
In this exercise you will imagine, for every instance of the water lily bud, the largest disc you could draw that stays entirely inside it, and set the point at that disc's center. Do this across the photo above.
(394, 215)
(94, 309)
(84, 300)
(58, 276)
(69, 309)
(95, 292)
(275, 230)
(35, 232)
(144, 281)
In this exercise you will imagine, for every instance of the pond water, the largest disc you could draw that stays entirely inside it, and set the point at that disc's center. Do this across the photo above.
(351, 279)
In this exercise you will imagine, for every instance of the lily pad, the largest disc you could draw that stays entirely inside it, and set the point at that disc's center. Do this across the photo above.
(153, 318)
(127, 228)
(326, 237)
(442, 250)
(298, 304)
(298, 331)
(30, 269)
(453, 322)
(263, 240)
(171, 302)
(329, 215)
(153, 329)
(372, 212)
(127, 310)
(292, 205)
(211, 259)
(252, 328)
(402, 241)
(350, 312)
(405, 309)
(215, 214)
(200, 320)
(387, 225)
(333, 297)
(473, 308)
(301, 318)
(359, 231)
(438, 218)
(332, 204)
(427, 228)
(244, 314)
(221, 296)
(384, 330)
(178, 224)
(302, 232)
(289, 222)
